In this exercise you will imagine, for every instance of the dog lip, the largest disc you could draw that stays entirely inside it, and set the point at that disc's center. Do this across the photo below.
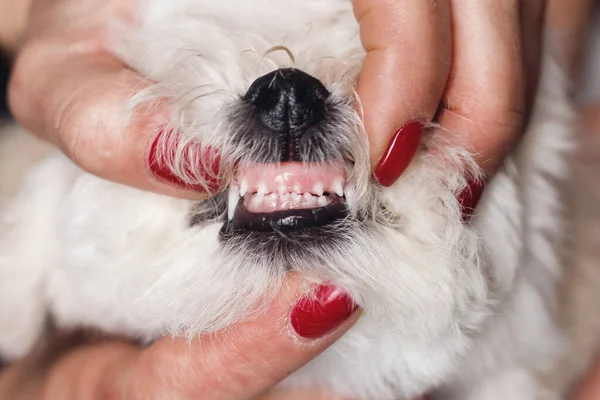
(288, 220)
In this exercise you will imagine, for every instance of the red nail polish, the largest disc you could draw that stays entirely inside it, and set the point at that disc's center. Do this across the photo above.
(163, 150)
(399, 154)
(317, 314)
(469, 198)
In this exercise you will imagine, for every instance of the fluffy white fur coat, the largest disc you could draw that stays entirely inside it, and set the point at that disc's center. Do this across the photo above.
(484, 311)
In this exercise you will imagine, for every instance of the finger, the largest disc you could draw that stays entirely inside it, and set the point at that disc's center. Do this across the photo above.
(571, 20)
(485, 95)
(246, 361)
(240, 363)
(302, 395)
(591, 119)
(79, 102)
(590, 389)
(407, 62)
(308, 395)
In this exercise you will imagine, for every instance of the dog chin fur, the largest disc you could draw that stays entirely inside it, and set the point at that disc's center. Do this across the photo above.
(470, 310)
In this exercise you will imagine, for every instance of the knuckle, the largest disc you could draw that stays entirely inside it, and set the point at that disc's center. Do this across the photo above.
(485, 111)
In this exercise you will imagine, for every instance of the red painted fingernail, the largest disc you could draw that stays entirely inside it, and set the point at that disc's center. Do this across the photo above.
(399, 154)
(163, 153)
(319, 313)
(469, 198)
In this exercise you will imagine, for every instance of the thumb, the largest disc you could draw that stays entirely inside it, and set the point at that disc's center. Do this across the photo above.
(239, 363)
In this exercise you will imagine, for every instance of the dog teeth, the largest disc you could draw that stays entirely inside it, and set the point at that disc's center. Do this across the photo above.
(289, 186)
(322, 201)
(273, 202)
(243, 187)
(256, 200)
(273, 198)
(338, 188)
(262, 189)
(234, 197)
(318, 189)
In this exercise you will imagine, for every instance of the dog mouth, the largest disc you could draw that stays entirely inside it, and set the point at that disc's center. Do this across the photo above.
(286, 196)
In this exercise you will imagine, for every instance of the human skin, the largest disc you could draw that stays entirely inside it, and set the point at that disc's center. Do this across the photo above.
(240, 363)
(60, 42)
(62, 45)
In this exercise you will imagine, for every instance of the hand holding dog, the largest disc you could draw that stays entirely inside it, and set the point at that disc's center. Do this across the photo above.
(67, 88)
(70, 105)
(476, 60)
(243, 362)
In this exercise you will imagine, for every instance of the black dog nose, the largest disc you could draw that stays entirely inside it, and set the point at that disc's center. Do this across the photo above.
(287, 100)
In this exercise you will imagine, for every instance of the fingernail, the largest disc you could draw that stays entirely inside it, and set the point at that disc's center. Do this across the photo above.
(469, 198)
(163, 151)
(321, 312)
(399, 154)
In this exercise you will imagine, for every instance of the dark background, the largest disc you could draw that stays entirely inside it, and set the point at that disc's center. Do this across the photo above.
(3, 79)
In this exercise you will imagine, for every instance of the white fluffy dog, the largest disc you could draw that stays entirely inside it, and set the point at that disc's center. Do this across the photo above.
(472, 311)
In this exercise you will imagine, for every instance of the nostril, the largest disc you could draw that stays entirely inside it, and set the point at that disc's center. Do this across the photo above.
(287, 100)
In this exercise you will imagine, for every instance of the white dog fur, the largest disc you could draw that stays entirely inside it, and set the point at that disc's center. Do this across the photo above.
(488, 310)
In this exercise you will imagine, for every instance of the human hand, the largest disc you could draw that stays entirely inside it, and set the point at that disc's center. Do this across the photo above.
(243, 362)
(66, 87)
(479, 59)
(590, 387)
(416, 60)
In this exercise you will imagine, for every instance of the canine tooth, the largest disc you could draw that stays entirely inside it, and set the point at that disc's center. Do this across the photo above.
(234, 197)
(322, 201)
(262, 189)
(318, 189)
(243, 187)
(338, 188)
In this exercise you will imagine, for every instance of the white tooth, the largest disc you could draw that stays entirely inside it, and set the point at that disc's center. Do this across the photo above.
(273, 200)
(262, 189)
(338, 188)
(318, 189)
(307, 197)
(234, 197)
(257, 199)
(243, 187)
(282, 189)
(296, 197)
(297, 188)
(322, 201)
(349, 196)
(285, 197)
